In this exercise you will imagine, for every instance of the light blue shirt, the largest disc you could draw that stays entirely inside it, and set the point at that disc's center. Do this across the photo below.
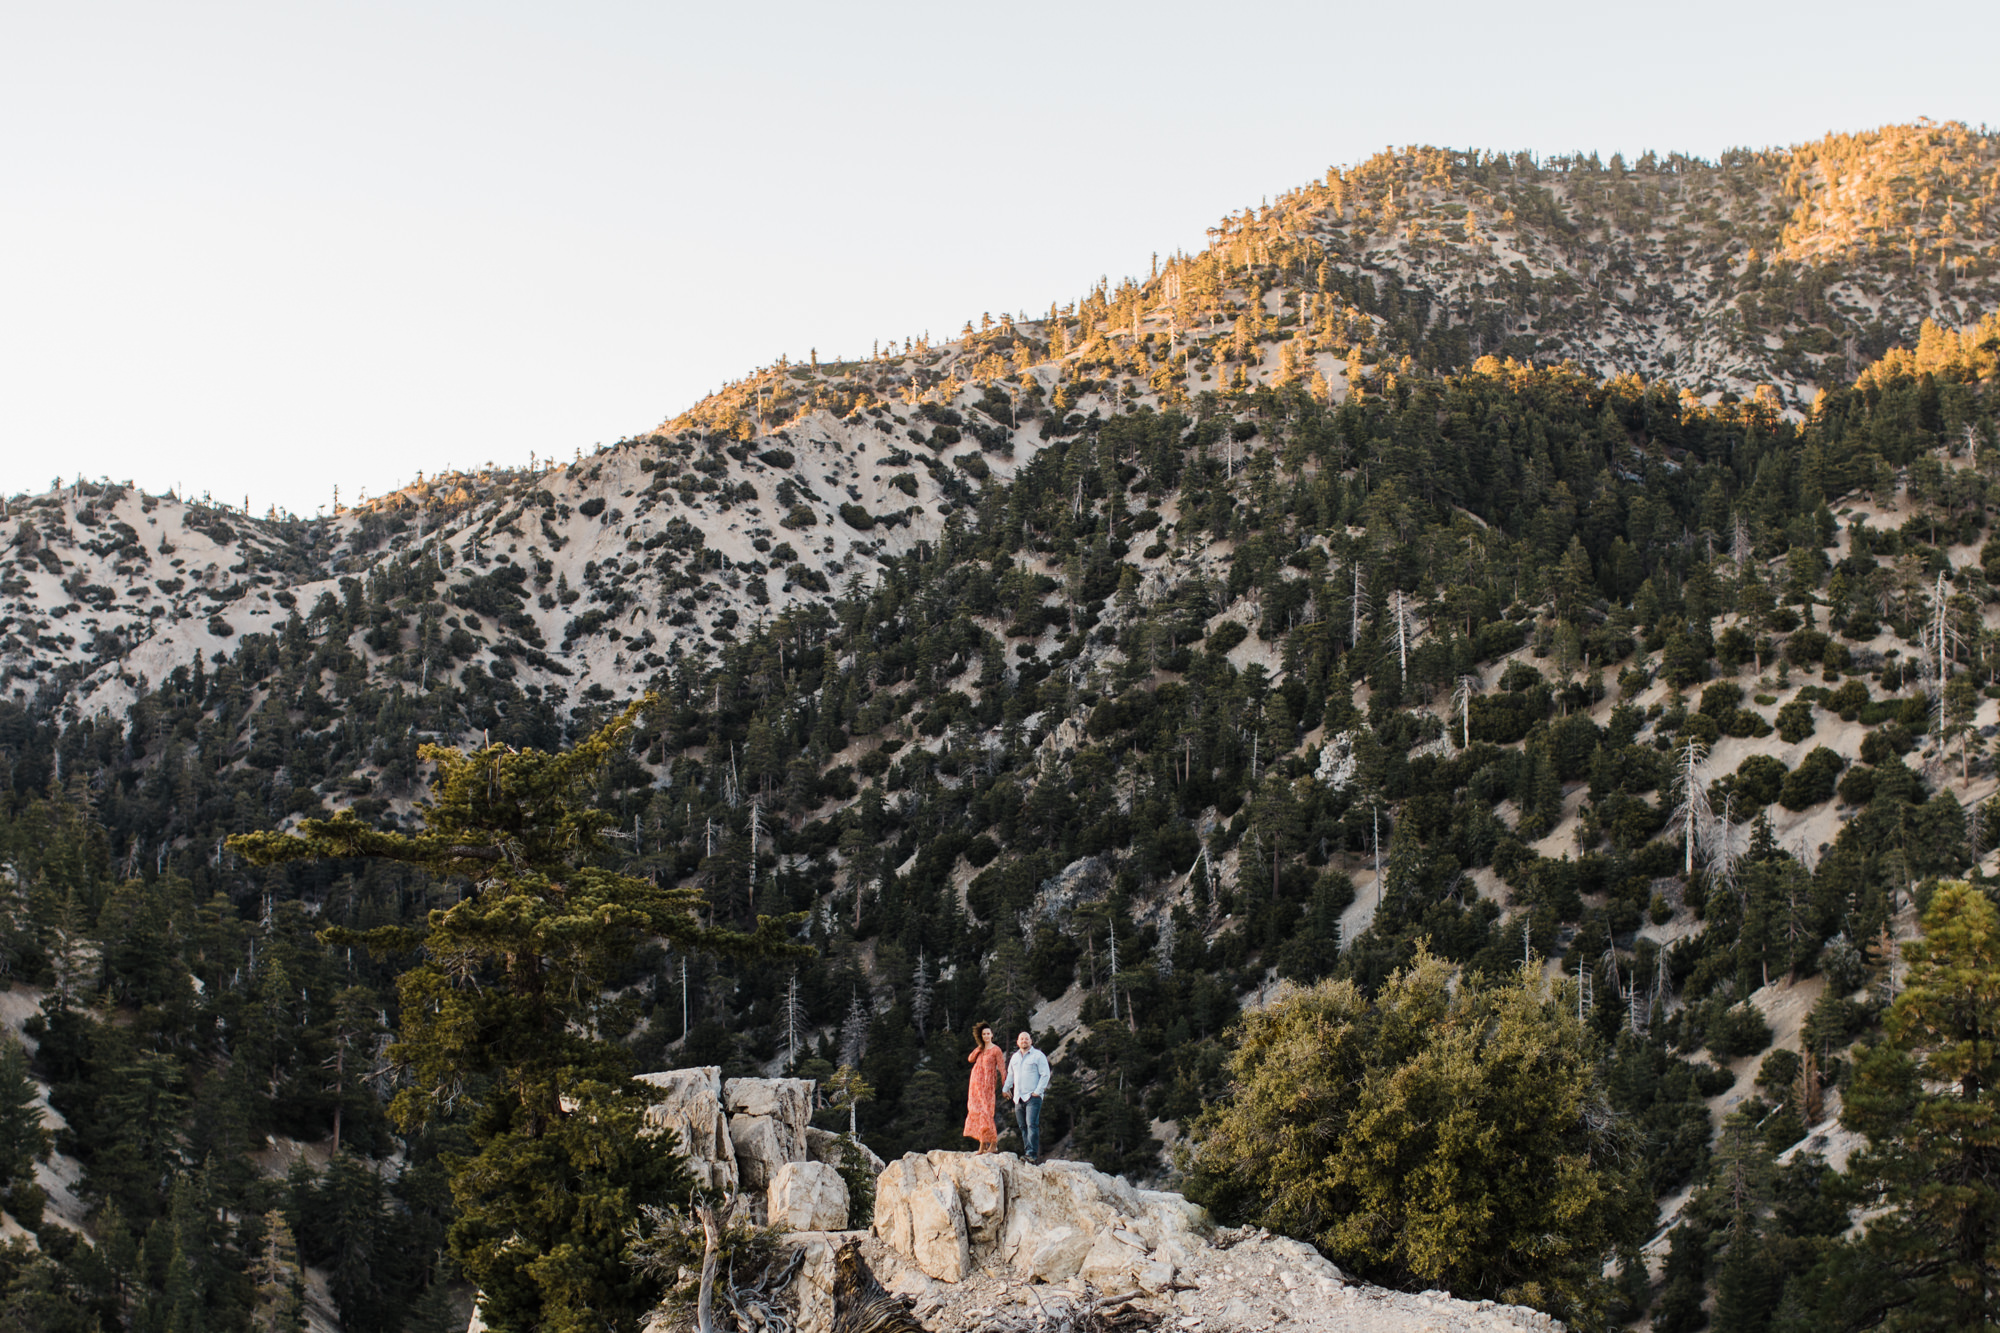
(1027, 1074)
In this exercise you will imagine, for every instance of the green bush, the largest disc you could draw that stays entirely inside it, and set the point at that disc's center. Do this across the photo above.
(1739, 1031)
(1759, 779)
(1486, 1093)
(1813, 781)
(801, 516)
(855, 517)
(1795, 721)
(1226, 636)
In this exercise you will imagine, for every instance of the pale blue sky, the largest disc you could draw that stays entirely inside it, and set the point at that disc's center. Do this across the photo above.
(268, 248)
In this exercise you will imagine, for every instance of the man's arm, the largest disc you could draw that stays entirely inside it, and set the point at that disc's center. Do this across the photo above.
(1042, 1069)
(1009, 1081)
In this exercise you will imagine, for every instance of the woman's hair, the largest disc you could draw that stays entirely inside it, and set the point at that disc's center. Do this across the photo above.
(978, 1028)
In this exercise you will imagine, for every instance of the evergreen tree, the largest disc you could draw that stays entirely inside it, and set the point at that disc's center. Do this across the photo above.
(1924, 1096)
(502, 1011)
(23, 1141)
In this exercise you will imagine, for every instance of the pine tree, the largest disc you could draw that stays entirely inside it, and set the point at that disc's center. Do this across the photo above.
(1924, 1096)
(920, 997)
(502, 1010)
(277, 1280)
(23, 1141)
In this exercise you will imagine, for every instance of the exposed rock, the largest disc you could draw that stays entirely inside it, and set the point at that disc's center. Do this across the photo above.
(691, 1106)
(1055, 1256)
(807, 1196)
(739, 1134)
(922, 1218)
(1028, 1242)
(1048, 1222)
(763, 1144)
(767, 1125)
(823, 1145)
(786, 1099)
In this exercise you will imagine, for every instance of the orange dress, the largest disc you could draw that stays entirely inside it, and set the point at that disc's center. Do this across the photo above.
(988, 1066)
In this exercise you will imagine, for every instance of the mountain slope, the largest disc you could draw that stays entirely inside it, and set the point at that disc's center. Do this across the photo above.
(1244, 625)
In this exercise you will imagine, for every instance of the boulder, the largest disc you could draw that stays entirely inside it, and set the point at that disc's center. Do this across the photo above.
(763, 1144)
(981, 1183)
(1049, 1222)
(786, 1099)
(823, 1145)
(767, 1124)
(1055, 1257)
(807, 1196)
(920, 1217)
(691, 1106)
(1113, 1260)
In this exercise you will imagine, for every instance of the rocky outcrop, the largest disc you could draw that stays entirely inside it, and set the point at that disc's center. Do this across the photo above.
(994, 1242)
(691, 1106)
(767, 1125)
(740, 1134)
(948, 1212)
(823, 1145)
(807, 1196)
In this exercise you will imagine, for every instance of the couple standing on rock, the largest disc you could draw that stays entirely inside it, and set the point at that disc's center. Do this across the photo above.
(1027, 1079)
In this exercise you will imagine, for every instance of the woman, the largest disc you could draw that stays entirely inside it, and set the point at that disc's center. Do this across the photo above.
(988, 1066)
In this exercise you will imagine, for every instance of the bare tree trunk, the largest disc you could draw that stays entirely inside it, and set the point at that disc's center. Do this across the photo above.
(711, 1230)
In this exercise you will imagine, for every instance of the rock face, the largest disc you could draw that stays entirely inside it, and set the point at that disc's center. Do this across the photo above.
(975, 1242)
(691, 1106)
(738, 1133)
(823, 1145)
(948, 1212)
(807, 1196)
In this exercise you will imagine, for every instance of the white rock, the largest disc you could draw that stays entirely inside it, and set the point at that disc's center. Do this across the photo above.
(823, 1145)
(763, 1144)
(1056, 1256)
(807, 1196)
(1111, 1259)
(981, 1183)
(787, 1099)
(691, 1106)
(919, 1216)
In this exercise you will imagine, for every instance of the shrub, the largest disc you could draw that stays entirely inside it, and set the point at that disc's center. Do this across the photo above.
(1226, 636)
(1857, 786)
(801, 516)
(1759, 779)
(592, 507)
(1739, 1031)
(1813, 781)
(1795, 721)
(1776, 1075)
(777, 458)
(1721, 699)
(1848, 700)
(856, 517)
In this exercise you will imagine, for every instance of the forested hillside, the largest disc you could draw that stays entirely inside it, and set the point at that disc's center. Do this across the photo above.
(1598, 577)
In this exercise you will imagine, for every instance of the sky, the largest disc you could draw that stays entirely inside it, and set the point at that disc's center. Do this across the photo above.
(262, 250)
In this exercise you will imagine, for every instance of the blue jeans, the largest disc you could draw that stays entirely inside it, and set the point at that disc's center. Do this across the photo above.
(1028, 1119)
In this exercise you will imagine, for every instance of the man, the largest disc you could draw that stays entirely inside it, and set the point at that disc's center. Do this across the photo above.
(1027, 1080)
